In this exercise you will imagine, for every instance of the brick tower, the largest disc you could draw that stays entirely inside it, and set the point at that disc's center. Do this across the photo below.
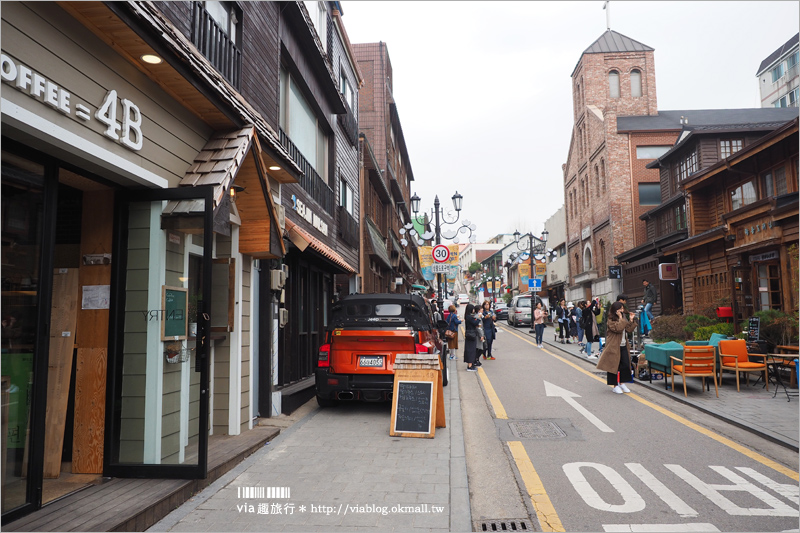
(614, 77)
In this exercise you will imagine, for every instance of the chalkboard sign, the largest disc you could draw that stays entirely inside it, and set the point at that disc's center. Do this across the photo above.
(414, 407)
(173, 313)
(753, 329)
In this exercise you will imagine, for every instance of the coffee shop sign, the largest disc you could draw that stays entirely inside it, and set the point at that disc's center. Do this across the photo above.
(128, 131)
(309, 216)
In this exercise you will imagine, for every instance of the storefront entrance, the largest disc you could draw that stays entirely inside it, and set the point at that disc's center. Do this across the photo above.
(159, 369)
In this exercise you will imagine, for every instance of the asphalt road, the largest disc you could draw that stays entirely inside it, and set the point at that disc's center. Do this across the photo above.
(547, 438)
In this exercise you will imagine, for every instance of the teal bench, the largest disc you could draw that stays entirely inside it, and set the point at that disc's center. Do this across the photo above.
(658, 358)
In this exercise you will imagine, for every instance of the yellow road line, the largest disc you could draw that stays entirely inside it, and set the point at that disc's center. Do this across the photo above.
(700, 429)
(499, 410)
(545, 512)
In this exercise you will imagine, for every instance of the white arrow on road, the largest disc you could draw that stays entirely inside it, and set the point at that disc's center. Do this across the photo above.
(555, 390)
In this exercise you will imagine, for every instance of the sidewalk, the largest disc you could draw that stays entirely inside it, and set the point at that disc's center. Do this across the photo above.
(343, 471)
(753, 409)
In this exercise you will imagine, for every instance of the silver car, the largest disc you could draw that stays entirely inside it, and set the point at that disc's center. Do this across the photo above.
(519, 310)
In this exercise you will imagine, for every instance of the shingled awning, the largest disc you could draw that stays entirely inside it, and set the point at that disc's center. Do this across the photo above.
(228, 157)
(302, 239)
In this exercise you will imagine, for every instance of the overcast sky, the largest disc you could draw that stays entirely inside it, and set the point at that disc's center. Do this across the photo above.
(484, 93)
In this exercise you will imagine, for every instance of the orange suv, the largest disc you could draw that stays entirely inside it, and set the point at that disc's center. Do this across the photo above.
(365, 334)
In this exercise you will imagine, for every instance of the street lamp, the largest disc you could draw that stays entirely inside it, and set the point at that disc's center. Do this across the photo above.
(540, 250)
(440, 219)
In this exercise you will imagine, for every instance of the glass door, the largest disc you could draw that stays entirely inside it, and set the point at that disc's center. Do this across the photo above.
(159, 368)
(25, 308)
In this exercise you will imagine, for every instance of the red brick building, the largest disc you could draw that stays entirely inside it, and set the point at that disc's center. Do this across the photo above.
(614, 77)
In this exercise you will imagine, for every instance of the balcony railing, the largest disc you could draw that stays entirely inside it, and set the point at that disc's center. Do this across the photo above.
(310, 181)
(215, 45)
(348, 228)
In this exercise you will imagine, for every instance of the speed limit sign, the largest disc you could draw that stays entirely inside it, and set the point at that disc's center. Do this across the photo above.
(440, 253)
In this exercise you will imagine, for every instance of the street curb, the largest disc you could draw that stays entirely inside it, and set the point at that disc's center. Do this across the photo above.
(460, 511)
(773, 437)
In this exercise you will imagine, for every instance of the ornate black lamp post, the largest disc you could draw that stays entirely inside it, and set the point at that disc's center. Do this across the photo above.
(538, 249)
(440, 219)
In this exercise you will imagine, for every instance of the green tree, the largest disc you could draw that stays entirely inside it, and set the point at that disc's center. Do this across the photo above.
(474, 267)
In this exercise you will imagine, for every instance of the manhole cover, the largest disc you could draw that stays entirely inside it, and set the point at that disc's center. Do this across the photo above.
(537, 429)
(513, 524)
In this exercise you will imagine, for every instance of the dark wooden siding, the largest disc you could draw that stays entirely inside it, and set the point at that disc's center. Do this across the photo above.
(261, 58)
(708, 152)
(179, 13)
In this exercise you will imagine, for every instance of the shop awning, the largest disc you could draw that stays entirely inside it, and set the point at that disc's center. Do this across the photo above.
(228, 157)
(302, 239)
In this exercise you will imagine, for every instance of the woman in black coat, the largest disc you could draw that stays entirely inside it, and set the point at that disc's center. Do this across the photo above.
(589, 325)
(470, 337)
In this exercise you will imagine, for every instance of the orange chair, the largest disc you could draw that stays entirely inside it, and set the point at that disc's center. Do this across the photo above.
(699, 362)
(733, 356)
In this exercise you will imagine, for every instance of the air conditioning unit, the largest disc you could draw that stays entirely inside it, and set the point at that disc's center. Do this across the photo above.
(283, 316)
(668, 271)
(277, 279)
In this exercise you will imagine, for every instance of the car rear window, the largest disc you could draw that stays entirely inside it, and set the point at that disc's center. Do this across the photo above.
(371, 313)
(388, 310)
(524, 302)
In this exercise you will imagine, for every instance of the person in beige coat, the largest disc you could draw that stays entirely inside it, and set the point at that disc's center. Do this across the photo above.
(615, 358)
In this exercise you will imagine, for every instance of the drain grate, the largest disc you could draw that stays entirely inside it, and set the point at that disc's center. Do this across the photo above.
(537, 429)
(508, 524)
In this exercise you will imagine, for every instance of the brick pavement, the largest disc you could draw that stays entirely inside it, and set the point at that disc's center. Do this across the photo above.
(754, 408)
(334, 459)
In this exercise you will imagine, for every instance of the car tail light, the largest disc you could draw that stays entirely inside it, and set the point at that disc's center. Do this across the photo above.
(420, 348)
(324, 360)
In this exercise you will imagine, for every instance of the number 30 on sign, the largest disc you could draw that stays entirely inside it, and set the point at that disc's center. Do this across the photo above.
(441, 253)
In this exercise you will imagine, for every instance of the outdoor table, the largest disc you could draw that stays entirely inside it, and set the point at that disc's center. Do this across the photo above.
(776, 361)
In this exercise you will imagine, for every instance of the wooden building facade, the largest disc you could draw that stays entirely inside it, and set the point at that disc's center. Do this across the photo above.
(742, 215)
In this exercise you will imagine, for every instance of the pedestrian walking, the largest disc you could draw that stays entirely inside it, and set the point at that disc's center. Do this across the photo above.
(650, 298)
(538, 323)
(589, 325)
(615, 359)
(488, 318)
(470, 337)
(452, 325)
(562, 317)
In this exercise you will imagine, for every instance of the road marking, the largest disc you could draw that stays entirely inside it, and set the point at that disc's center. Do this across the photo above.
(713, 491)
(655, 528)
(499, 410)
(569, 397)
(661, 490)
(545, 512)
(769, 463)
(790, 492)
(632, 502)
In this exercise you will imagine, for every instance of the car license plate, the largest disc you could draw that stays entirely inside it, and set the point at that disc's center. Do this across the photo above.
(371, 361)
(527, 315)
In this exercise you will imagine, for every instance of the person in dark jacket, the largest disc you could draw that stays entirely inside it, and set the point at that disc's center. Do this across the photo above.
(562, 317)
(470, 337)
(589, 324)
(488, 317)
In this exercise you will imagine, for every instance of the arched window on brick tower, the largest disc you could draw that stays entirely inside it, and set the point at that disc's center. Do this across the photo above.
(587, 258)
(613, 84)
(636, 83)
(603, 174)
